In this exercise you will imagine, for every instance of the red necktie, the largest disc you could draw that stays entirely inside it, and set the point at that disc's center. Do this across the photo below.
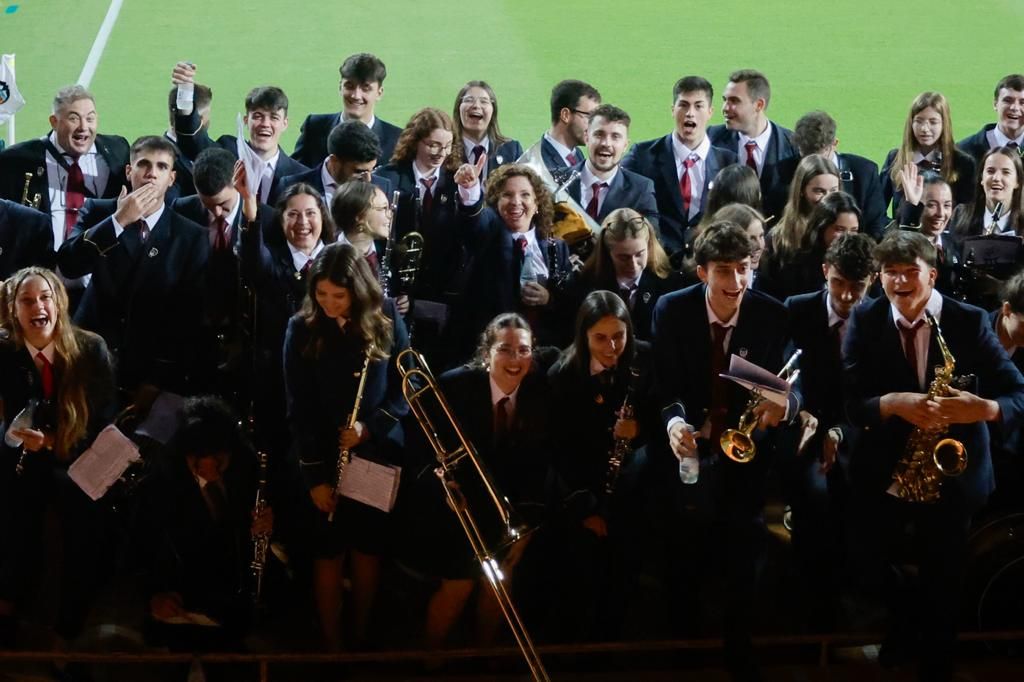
(909, 349)
(751, 147)
(371, 260)
(719, 390)
(571, 159)
(46, 374)
(685, 188)
(74, 196)
(220, 238)
(595, 200)
(428, 196)
(501, 419)
(143, 230)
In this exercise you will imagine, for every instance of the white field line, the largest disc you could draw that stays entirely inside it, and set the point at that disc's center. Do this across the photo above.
(98, 45)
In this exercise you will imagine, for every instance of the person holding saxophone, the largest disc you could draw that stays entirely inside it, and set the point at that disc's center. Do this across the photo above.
(923, 395)
(345, 405)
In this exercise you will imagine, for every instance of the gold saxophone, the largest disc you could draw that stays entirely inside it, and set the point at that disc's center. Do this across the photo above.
(929, 454)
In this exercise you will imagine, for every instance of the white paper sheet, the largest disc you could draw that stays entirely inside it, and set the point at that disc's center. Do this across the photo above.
(102, 464)
(750, 376)
(163, 419)
(254, 165)
(371, 483)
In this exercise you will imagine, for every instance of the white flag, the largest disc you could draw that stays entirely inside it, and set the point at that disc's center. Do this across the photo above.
(10, 99)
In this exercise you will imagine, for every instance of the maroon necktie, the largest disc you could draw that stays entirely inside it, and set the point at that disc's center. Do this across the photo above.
(909, 334)
(371, 260)
(74, 196)
(685, 186)
(751, 147)
(478, 151)
(46, 374)
(719, 389)
(571, 159)
(305, 268)
(595, 199)
(220, 238)
(501, 419)
(428, 195)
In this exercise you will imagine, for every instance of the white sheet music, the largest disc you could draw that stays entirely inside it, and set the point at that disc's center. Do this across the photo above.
(254, 165)
(750, 376)
(163, 419)
(102, 464)
(371, 483)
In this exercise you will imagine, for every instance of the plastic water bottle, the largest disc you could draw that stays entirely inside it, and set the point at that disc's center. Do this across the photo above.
(689, 470)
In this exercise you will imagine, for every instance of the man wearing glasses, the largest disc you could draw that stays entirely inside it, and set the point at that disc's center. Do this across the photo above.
(572, 102)
(352, 152)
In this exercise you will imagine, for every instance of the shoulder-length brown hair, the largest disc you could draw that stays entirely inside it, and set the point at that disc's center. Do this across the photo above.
(422, 124)
(545, 217)
(946, 146)
(340, 265)
(493, 131)
(789, 233)
(595, 307)
(489, 336)
(621, 224)
(328, 232)
(72, 407)
(974, 214)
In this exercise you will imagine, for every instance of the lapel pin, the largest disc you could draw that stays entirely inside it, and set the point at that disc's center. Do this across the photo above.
(646, 297)
(40, 171)
(298, 275)
(153, 252)
(500, 159)
(444, 198)
(743, 352)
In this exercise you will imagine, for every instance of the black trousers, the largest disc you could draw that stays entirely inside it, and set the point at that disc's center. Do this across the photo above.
(923, 612)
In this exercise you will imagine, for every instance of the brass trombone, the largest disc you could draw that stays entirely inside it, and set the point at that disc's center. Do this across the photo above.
(738, 444)
(452, 450)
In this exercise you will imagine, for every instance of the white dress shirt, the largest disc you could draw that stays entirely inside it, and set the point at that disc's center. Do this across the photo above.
(698, 172)
(762, 145)
(95, 173)
(587, 180)
(923, 337)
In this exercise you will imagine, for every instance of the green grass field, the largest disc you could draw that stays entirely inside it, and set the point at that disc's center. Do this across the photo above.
(861, 61)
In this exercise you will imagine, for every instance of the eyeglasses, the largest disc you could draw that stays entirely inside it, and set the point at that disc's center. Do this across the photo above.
(509, 352)
(365, 173)
(437, 147)
(584, 114)
(482, 101)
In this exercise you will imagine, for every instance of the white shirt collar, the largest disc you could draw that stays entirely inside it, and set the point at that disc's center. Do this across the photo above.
(47, 352)
(833, 316)
(343, 239)
(1002, 140)
(761, 140)
(497, 394)
(1003, 221)
(435, 174)
(369, 124)
(299, 259)
(562, 150)
(683, 152)
(587, 177)
(468, 145)
(153, 218)
(326, 177)
(933, 306)
(932, 156)
(630, 283)
(272, 161)
(713, 318)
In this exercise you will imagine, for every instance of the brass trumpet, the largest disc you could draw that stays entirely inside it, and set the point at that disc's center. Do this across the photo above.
(738, 444)
(455, 453)
(36, 199)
